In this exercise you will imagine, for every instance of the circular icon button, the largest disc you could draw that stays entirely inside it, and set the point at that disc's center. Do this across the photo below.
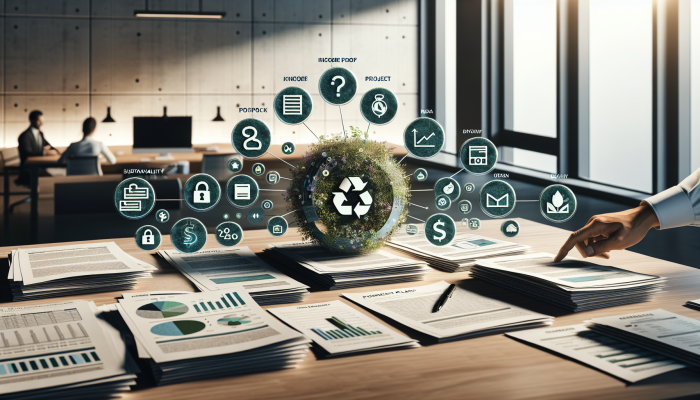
(379, 106)
(188, 235)
(235, 164)
(497, 199)
(421, 174)
(134, 198)
(239, 215)
(440, 229)
(469, 187)
(266, 205)
(448, 187)
(474, 223)
(465, 206)
(510, 228)
(228, 233)
(423, 137)
(251, 138)
(242, 191)
(202, 192)
(258, 169)
(148, 237)
(557, 203)
(288, 148)
(277, 226)
(412, 229)
(478, 156)
(162, 216)
(337, 86)
(293, 105)
(256, 215)
(273, 177)
(443, 202)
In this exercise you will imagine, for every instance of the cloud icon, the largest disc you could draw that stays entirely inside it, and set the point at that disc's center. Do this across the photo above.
(511, 228)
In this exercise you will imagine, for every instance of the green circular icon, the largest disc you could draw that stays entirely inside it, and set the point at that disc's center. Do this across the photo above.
(337, 86)
(423, 137)
(148, 237)
(465, 206)
(443, 202)
(293, 105)
(258, 169)
(256, 215)
(228, 233)
(412, 229)
(202, 192)
(266, 205)
(226, 216)
(162, 216)
(478, 156)
(474, 223)
(421, 174)
(379, 106)
(277, 226)
(288, 148)
(242, 191)
(510, 228)
(557, 203)
(497, 199)
(134, 198)
(465, 221)
(235, 164)
(251, 138)
(239, 215)
(469, 187)
(448, 187)
(273, 177)
(440, 229)
(188, 235)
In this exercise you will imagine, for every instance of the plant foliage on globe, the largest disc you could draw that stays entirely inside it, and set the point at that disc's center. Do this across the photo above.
(334, 178)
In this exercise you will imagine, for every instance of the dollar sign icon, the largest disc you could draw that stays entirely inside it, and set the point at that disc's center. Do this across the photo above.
(190, 237)
(437, 229)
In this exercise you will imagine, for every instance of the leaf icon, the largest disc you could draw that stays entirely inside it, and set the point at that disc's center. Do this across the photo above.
(557, 199)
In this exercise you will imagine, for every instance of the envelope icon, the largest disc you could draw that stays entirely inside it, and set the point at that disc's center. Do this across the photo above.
(494, 202)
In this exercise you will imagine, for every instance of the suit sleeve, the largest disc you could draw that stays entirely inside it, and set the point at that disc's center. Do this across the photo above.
(679, 205)
(65, 155)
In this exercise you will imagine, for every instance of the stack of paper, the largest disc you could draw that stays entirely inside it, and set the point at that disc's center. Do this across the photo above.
(572, 284)
(339, 329)
(222, 268)
(661, 331)
(693, 304)
(602, 352)
(72, 270)
(206, 335)
(459, 255)
(466, 314)
(340, 271)
(61, 351)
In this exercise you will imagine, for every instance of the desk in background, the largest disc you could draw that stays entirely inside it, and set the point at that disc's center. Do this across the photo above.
(493, 367)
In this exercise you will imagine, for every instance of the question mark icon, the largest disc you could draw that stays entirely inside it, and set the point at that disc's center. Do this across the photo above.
(342, 83)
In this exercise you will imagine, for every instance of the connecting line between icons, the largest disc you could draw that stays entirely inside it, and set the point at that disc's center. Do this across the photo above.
(342, 122)
(415, 218)
(457, 172)
(312, 132)
(418, 205)
(525, 201)
(422, 190)
(408, 175)
(367, 133)
(280, 159)
(170, 199)
(290, 213)
(402, 160)
(289, 179)
(273, 190)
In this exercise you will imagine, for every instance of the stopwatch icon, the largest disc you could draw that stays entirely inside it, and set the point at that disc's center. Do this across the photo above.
(379, 106)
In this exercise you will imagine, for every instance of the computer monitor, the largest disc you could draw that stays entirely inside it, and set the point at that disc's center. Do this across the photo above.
(162, 135)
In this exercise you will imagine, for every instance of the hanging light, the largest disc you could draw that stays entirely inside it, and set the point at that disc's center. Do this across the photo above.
(109, 116)
(218, 114)
(178, 14)
(165, 112)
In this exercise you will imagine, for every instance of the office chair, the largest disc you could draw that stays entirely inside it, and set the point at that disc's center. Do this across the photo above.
(216, 165)
(89, 165)
(10, 166)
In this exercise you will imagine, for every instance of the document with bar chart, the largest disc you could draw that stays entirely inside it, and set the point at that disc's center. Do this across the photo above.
(54, 344)
(173, 327)
(340, 329)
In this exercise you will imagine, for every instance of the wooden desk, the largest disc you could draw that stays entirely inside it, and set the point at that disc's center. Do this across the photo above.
(493, 367)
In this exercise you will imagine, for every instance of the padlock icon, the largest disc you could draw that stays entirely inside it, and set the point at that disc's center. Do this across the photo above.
(201, 196)
(147, 237)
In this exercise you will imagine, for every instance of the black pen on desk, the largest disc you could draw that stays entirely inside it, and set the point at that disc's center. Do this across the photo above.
(445, 296)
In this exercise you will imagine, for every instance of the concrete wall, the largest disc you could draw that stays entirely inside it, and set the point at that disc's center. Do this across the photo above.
(74, 58)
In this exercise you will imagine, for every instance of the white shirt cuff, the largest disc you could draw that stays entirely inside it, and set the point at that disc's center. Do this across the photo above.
(672, 208)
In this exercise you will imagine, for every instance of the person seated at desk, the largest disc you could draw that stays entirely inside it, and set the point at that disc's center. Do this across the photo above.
(33, 143)
(88, 147)
(674, 207)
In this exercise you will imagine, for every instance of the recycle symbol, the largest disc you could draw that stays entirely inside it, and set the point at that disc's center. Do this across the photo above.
(362, 207)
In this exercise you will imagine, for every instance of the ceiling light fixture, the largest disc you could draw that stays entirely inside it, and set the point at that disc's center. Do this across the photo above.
(179, 14)
(109, 115)
(218, 114)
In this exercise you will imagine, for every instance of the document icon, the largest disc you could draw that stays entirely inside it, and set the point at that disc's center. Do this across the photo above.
(241, 192)
(496, 202)
(135, 192)
(126, 205)
(291, 104)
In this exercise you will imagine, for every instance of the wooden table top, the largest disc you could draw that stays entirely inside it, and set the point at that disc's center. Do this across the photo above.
(493, 366)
